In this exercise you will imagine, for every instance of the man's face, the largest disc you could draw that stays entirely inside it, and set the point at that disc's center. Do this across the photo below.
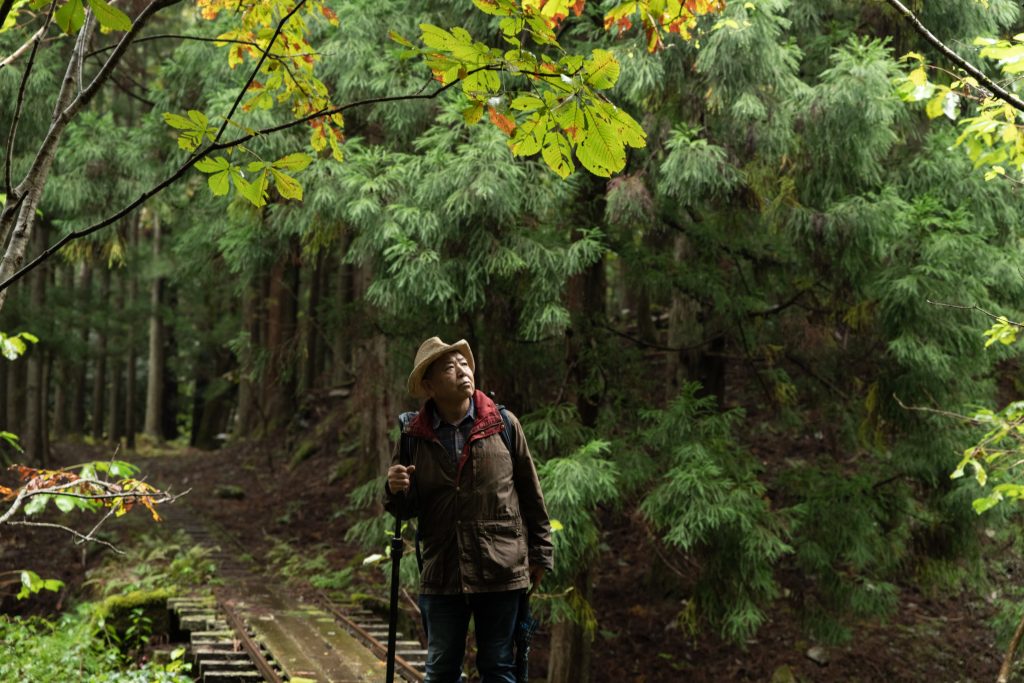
(449, 378)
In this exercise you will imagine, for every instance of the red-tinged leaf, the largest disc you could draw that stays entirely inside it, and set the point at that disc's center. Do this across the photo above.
(504, 123)
(330, 14)
(577, 8)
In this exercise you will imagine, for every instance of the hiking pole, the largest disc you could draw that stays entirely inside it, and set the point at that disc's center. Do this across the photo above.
(397, 546)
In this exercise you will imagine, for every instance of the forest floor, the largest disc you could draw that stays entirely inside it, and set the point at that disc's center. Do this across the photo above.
(262, 503)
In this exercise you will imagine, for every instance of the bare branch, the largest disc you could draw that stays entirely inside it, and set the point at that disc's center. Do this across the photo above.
(996, 89)
(976, 307)
(936, 411)
(79, 536)
(14, 507)
(207, 39)
(191, 161)
(28, 45)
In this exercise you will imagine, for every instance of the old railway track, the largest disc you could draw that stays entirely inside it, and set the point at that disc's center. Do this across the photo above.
(248, 631)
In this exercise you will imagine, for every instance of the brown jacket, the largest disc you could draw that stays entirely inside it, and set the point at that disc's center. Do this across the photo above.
(483, 522)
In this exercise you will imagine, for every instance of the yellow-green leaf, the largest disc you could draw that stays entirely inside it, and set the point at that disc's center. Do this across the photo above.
(602, 70)
(473, 113)
(110, 17)
(288, 187)
(294, 162)
(557, 154)
(600, 151)
(70, 16)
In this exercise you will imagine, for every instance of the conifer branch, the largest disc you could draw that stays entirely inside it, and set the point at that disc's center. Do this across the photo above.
(996, 89)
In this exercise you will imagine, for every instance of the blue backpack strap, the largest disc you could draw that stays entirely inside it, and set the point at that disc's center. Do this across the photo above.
(508, 435)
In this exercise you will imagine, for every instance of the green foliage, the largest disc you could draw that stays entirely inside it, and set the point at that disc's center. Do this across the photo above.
(153, 563)
(574, 485)
(709, 501)
(70, 648)
(13, 346)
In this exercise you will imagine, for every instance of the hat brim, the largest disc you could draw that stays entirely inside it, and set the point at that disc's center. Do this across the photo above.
(415, 384)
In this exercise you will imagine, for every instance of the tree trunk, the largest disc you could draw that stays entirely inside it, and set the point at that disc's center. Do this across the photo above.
(371, 393)
(311, 365)
(83, 294)
(156, 361)
(4, 369)
(171, 399)
(131, 297)
(17, 377)
(684, 330)
(32, 439)
(341, 349)
(248, 407)
(279, 384)
(99, 380)
(571, 653)
(19, 222)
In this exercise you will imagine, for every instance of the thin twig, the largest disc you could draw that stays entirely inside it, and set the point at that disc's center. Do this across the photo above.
(937, 411)
(77, 534)
(206, 39)
(996, 89)
(11, 58)
(976, 307)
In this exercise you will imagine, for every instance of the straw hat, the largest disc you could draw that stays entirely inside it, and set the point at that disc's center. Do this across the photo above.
(429, 351)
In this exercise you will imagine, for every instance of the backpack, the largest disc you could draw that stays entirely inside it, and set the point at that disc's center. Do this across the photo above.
(508, 436)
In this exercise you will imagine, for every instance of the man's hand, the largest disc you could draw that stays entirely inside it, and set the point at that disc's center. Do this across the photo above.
(398, 478)
(536, 576)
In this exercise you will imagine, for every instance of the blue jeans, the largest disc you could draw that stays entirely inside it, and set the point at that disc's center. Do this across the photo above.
(446, 620)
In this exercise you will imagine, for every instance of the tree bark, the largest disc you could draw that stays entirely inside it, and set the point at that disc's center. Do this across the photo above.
(155, 362)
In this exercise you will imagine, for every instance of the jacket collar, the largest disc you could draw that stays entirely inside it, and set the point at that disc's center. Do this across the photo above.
(487, 422)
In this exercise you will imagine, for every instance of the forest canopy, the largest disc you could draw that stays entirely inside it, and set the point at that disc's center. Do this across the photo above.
(731, 263)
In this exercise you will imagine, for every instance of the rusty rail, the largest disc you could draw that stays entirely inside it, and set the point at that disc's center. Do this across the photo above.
(408, 671)
(255, 653)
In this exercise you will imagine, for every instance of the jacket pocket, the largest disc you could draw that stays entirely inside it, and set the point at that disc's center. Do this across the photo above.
(502, 551)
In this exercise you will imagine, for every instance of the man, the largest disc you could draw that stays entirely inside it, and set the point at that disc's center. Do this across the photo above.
(483, 528)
